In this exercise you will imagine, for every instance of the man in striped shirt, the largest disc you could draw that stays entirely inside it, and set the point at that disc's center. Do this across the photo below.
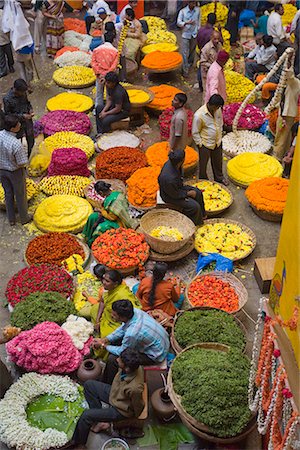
(138, 331)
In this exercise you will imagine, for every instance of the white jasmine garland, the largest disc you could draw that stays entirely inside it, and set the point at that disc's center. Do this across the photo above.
(15, 431)
(78, 58)
(245, 141)
(74, 39)
(79, 330)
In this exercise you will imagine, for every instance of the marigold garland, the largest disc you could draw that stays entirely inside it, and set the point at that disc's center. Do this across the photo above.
(68, 139)
(163, 96)
(143, 187)
(289, 13)
(249, 167)
(64, 185)
(74, 76)
(157, 155)
(268, 194)
(70, 101)
(161, 60)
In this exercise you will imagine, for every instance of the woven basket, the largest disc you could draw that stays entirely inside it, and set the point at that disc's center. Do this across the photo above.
(237, 183)
(243, 227)
(266, 215)
(140, 88)
(131, 67)
(175, 256)
(221, 210)
(176, 346)
(234, 282)
(163, 70)
(116, 185)
(166, 217)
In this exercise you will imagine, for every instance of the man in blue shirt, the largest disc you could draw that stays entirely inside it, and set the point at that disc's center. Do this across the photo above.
(189, 21)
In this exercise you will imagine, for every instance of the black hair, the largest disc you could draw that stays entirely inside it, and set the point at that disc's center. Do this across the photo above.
(101, 187)
(130, 358)
(114, 275)
(20, 85)
(211, 18)
(216, 100)
(112, 77)
(181, 97)
(10, 121)
(130, 13)
(109, 36)
(176, 157)
(159, 271)
(123, 308)
(268, 40)
(278, 6)
(109, 26)
(99, 271)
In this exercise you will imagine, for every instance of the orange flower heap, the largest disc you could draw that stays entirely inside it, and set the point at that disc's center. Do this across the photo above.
(157, 155)
(143, 187)
(163, 96)
(162, 60)
(119, 162)
(268, 194)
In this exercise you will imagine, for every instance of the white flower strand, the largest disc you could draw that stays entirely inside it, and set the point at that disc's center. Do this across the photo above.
(243, 141)
(290, 441)
(287, 411)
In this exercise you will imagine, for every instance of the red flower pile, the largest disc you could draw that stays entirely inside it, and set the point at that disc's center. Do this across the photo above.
(119, 163)
(68, 161)
(165, 118)
(63, 120)
(252, 117)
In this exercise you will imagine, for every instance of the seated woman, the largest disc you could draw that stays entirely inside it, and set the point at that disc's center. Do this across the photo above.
(156, 293)
(135, 38)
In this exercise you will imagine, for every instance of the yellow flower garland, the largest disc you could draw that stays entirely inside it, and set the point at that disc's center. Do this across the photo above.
(74, 76)
(221, 12)
(68, 139)
(64, 185)
(248, 167)
(71, 102)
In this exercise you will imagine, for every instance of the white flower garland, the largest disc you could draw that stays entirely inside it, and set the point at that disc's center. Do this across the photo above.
(15, 431)
(74, 39)
(77, 58)
(245, 141)
(79, 330)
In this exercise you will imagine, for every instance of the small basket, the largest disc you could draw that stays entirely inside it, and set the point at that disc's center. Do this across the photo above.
(266, 215)
(175, 256)
(221, 210)
(166, 217)
(234, 282)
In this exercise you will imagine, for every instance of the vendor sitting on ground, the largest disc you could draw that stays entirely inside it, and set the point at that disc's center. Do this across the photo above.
(117, 104)
(263, 60)
(124, 397)
(156, 293)
(113, 214)
(172, 190)
(138, 331)
(135, 38)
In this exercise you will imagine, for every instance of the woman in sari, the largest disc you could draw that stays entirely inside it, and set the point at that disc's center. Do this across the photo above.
(53, 11)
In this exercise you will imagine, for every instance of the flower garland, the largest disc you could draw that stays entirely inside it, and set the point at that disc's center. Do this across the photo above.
(143, 187)
(268, 194)
(68, 139)
(64, 185)
(245, 141)
(77, 58)
(117, 139)
(66, 49)
(65, 120)
(15, 430)
(68, 161)
(157, 155)
(74, 76)
(70, 101)
(74, 39)
(252, 117)
(122, 38)
(248, 167)
(157, 36)
(162, 60)
(165, 118)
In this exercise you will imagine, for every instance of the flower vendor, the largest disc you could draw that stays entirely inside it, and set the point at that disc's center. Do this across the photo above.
(117, 104)
(113, 214)
(208, 55)
(138, 331)
(264, 58)
(134, 37)
(100, 21)
(188, 20)
(179, 127)
(53, 11)
(124, 398)
(156, 293)
(205, 32)
(92, 12)
(172, 190)
(274, 25)
(12, 171)
(215, 80)
(207, 134)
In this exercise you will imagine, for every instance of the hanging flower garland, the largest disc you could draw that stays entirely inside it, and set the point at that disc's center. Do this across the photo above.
(122, 39)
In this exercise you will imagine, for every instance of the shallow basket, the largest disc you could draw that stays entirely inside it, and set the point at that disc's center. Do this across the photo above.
(140, 88)
(171, 218)
(78, 86)
(237, 183)
(217, 212)
(162, 70)
(234, 282)
(116, 185)
(176, 346)
(266, 215)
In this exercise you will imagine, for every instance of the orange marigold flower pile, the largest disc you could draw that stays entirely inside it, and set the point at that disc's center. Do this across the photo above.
(163, 96)
(75, 25)
(66, 49)
(157, 155)
(143, 187)
(162, 60)
(268, 194)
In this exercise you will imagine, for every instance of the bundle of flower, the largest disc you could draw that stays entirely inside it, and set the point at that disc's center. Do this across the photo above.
(31, 190)
(80, 331)
(38, 165)
(64, 185)
(73, 264)
(238, 87)
(268, 194)
(223, 407)
(289, 13)
(143, 187)
(165, 118)
(157, 155)
(56, 354)
(166, 233)
(121, 249)
(215, 197)
(66, 49)
(65, 120)
(89, 283)
(74, 39)
(249, 167)
(119, 163)
(218, 8)
(162, 60)
(17, 430)
(41, 307)
(117, 139)
(156, 36)
(104, 60)
(245, 141)
(74, 76)
(226, 40)
(38, 278)
(163, 96)
(62, 213)
(208, 325)
(227, 239)
(38, 128)
(75, 24)
(155, 23)
(68, 139)
(52, 248)
(252, 117)
(78, 58)
(70, 101)
(68, 161)
(160, 46)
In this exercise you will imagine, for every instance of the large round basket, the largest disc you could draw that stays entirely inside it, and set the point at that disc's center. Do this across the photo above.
(116, 185)
(266, 215)
(176, 346)
(141, 210)
(144, 54)
(243, 227)
(198, 428)
(217, 212)
(140, 88)
(170, 218)
(175, 256)
(237, 183)
(178, 66)
(234, 282)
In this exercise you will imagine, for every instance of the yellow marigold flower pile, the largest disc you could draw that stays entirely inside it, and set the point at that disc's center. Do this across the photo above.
(64, 185)
(31, 190)
(237, 87)
(143, 187)
(163, 96)
(154, 37)
(62, 213)
(155, 23)
(137, 95)
(249, 167)
(161, 60)
(215, 196)
(289, 13)
(268, 194)
(157, 155)
(71, 102)
(227, 239)
(226, 39)
(73, 263)
(160, 46)
(38, 164)
(221, 12)
(68, 139)
(165, 233)
(74, 76)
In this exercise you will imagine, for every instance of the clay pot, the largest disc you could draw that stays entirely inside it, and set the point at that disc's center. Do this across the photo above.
(89, 369)
(162, 405)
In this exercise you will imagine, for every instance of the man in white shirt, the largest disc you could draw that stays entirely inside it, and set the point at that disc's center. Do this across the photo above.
(189, 21)
(264, 59)
(131, 4)
(274, 26)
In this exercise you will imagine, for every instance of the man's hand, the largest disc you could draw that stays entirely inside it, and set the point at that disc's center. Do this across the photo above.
(102, 115)
(288, 158)
(100, 343)
(191, 194)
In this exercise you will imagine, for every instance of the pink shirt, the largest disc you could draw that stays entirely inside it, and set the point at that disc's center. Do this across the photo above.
(215, 82)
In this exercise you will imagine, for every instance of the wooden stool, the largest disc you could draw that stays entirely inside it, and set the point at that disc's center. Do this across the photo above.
(133, 421)
(137, 117)
(120, 124)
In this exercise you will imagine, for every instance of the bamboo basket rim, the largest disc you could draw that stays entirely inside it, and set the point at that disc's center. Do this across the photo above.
(78, 86)
(178, 66)
(138, 208)
(242, 226)
(234, 282)
(175, 256)
(221, 210)
(140, 88)
(176, 346)
(266, 215)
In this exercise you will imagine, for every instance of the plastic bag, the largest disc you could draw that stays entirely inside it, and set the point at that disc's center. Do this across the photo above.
(222, 264)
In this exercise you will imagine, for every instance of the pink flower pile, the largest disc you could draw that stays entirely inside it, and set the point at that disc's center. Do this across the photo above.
(68, 161)
(61, 120)
(164, 121)
(45, 349)
(252, 117)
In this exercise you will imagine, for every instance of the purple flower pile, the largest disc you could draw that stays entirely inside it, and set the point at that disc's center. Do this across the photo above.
(68, 161)
(61, 120)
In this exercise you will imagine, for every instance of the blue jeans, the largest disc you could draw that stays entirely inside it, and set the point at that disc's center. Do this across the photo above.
(188, 48)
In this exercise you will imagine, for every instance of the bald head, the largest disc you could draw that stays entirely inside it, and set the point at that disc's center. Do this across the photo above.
(215, 38)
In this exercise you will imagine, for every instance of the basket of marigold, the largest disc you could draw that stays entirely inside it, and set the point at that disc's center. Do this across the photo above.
(161, 62)
(157, 156)
(119, 163)
(139, 96)
(143, 187)
(267, 197)
(74, 77)
(70, 101)
(163, 96)
(217, 198)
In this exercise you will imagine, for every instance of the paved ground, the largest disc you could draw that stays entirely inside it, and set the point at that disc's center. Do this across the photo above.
(14, 240)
